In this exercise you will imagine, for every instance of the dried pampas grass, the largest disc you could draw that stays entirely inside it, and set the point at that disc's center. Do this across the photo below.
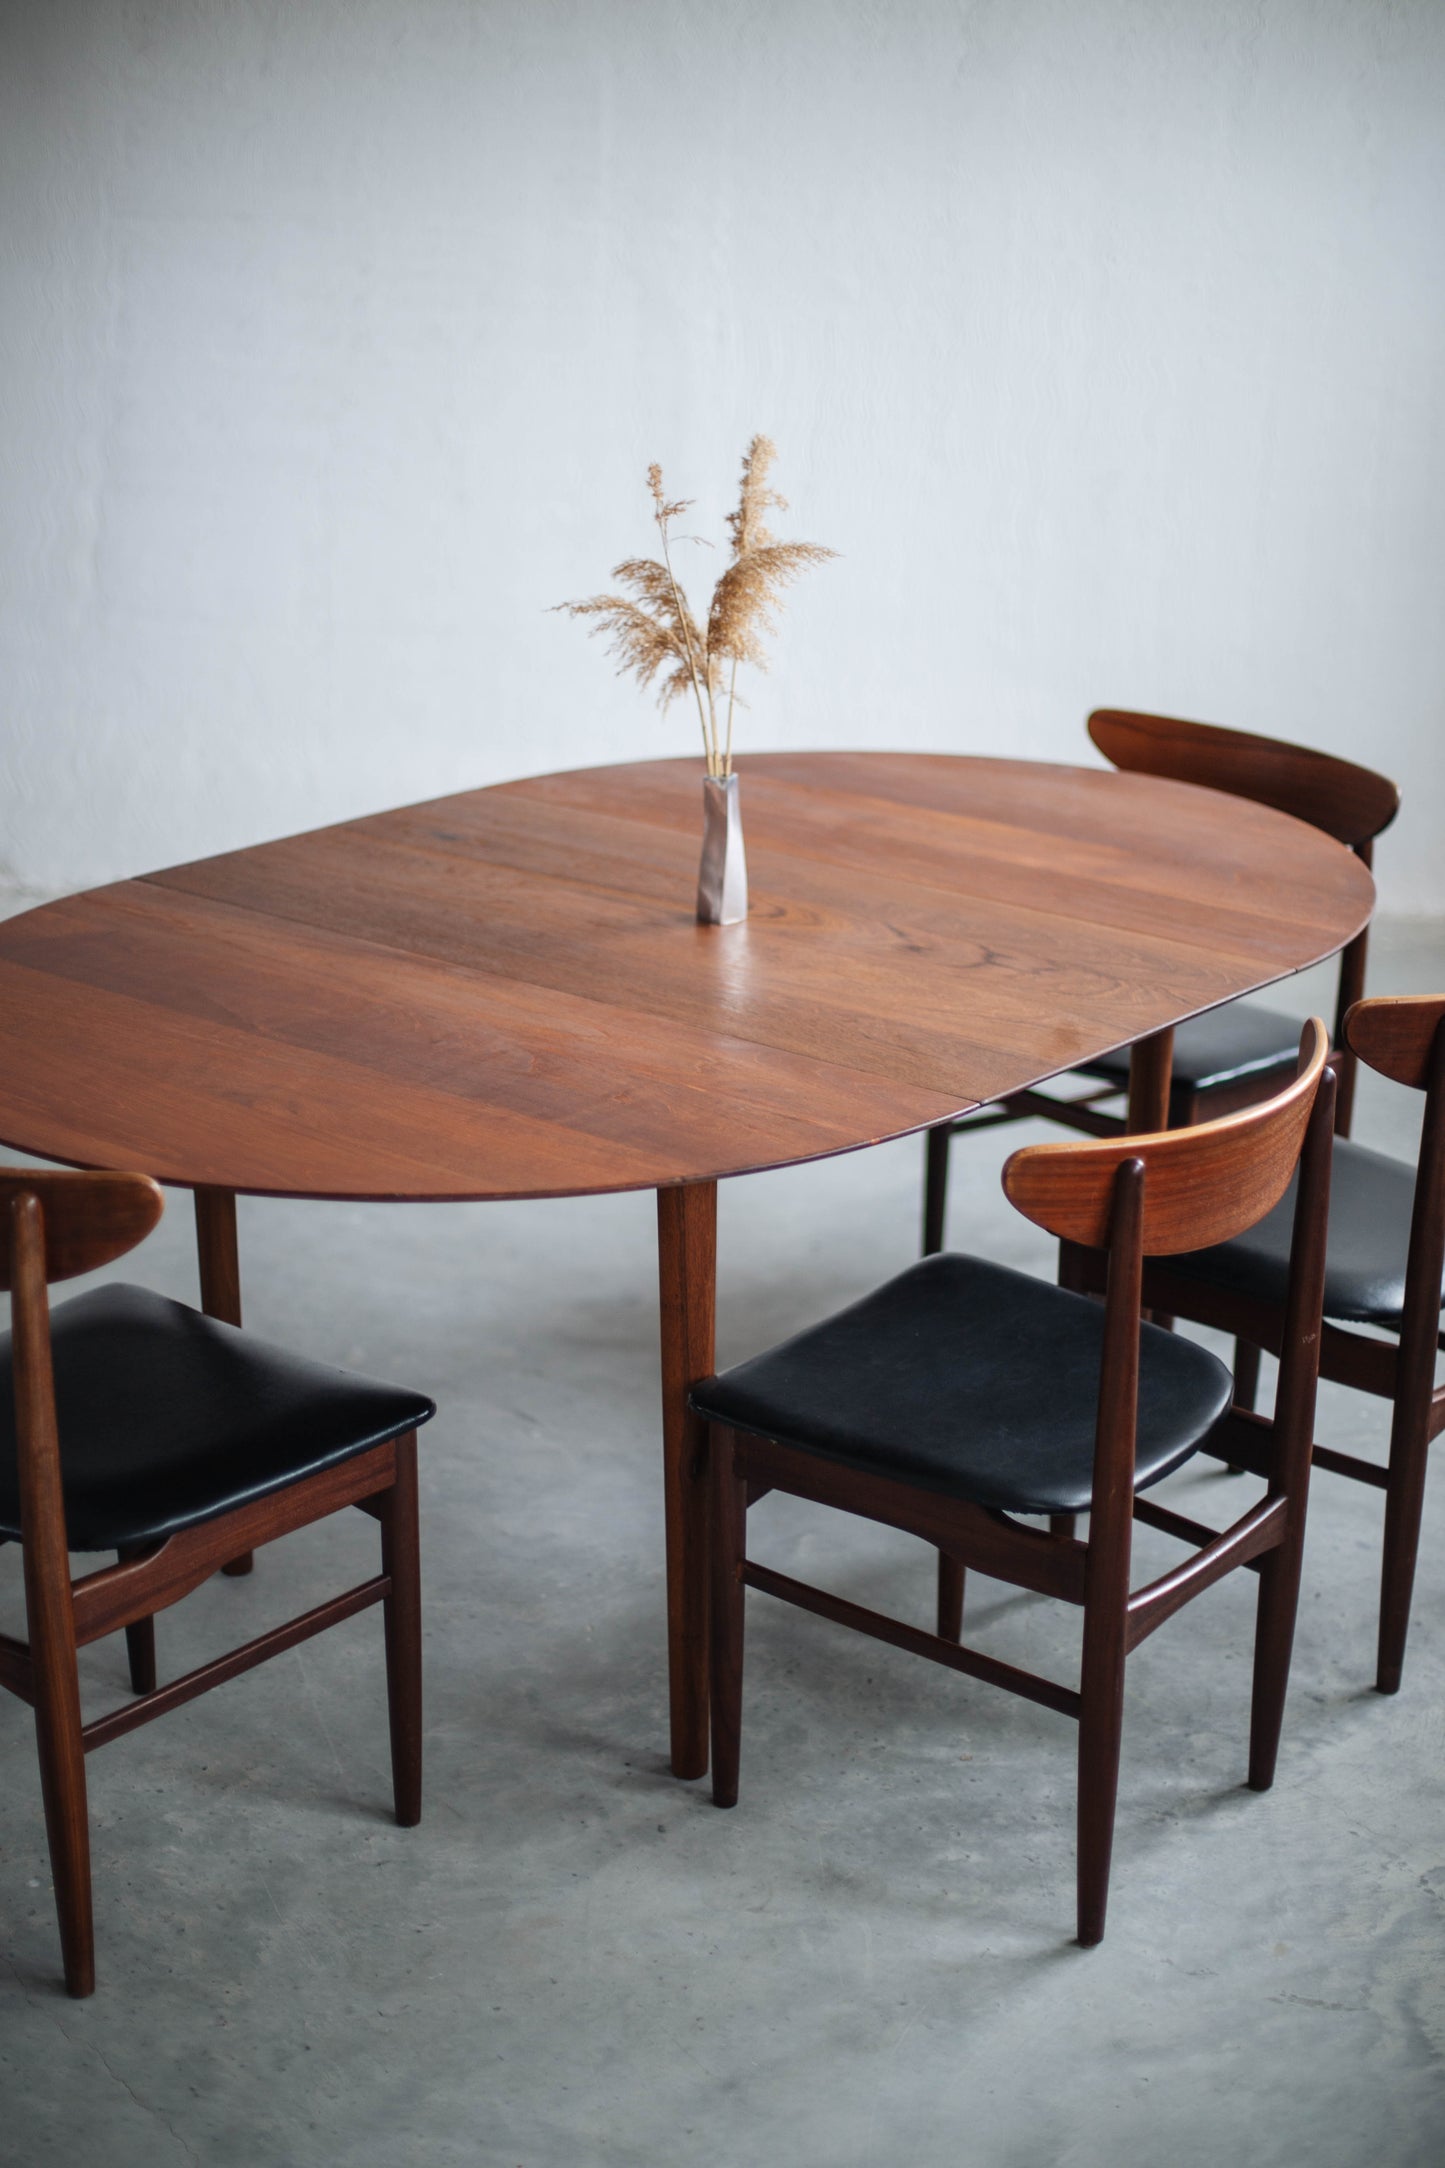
(651, 629)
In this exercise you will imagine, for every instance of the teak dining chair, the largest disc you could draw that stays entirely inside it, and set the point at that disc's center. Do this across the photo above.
(1383, 1272)
(1237, 1054)
(130, 1423)
(962, 1394)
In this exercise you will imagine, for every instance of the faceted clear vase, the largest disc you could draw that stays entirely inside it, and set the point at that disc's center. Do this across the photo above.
(722, 881)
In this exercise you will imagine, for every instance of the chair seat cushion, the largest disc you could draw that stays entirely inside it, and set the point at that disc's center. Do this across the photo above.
(973, 1380)
(1371, 1200)
(1221, 1047)
(167, 1418)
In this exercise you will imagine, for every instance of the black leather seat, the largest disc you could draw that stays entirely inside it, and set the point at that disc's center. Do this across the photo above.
(970, 1379)
(1371, 1200)
(167, 1418)
(1221, 1047)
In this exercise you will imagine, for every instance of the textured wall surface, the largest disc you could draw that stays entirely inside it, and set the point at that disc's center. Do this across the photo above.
(1103, 340)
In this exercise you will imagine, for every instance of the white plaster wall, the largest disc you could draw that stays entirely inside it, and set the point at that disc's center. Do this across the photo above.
(1104, 340)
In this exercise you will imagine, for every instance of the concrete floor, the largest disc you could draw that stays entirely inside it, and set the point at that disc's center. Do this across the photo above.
(577, 1962)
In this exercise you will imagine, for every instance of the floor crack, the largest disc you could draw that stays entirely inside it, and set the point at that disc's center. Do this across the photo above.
(126, 2087)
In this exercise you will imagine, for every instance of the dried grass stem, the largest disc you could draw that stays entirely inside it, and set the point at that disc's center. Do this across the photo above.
(652, 631)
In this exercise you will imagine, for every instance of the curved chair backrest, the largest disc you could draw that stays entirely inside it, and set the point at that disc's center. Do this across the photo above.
(1201, 1185)
(1352, 804)
(1405, 1040)
(1348, 802)
(89, 1219)
(1397, 1037)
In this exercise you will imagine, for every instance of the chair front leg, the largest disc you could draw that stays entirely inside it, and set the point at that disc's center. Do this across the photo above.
(727, 1539)
(1246, 1386)
(140, 1646)
(951, 1576)
(935, 1186)
(1246, 1375)
(401, 1612)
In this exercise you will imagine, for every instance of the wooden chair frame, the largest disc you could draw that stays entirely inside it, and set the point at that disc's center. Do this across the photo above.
(1114, 1206)
(58, 1225)
(1351, 803)
(1403, 1039)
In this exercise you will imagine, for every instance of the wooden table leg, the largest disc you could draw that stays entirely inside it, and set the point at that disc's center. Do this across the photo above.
(220, 1265)
(687, 1275)
(1151, 1069)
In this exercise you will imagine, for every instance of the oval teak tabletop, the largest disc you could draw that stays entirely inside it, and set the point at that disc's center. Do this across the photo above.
(505, 993)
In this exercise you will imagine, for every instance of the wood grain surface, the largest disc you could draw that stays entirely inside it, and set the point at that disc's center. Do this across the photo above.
(88, 1219)
(1351, 803)
(505, 993)
(1396, 1035)
(1205, 1184)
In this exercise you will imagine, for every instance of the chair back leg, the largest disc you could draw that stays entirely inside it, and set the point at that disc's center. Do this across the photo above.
(728, 1540)
(1101, 1729)
(1404, 1505)
(1294, 1428)
(1279, 1579)
(49, 1603)
(62, 1787)
(401, 1612)
(1415, 1366)
(218, 1257)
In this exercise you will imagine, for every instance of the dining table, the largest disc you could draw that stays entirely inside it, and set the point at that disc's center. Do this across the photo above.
(505, 993)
